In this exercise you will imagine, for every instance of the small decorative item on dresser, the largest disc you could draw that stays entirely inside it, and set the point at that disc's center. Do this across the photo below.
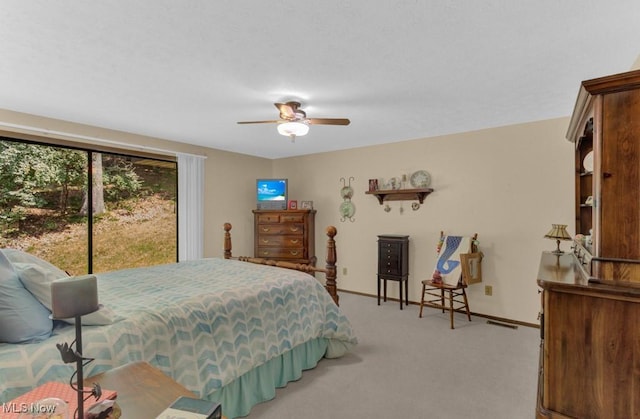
(306, 205)
(293, 204)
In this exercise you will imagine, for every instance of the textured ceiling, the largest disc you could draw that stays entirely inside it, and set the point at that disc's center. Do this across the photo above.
(188, 70)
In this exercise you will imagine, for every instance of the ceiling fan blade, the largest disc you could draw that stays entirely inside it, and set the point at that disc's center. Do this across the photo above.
(287, 110)
(259, 122)
(328, 121)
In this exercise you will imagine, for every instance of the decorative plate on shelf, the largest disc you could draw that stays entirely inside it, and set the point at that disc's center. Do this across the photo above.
(347, 209)
(420, 179)
(587, 162)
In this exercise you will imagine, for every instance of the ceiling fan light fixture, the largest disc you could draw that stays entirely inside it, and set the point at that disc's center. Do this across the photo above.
(293, 129)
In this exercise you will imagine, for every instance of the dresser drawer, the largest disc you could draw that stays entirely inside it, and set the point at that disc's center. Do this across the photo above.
(292, 218)
(272, 240)
(268, 218)
(391, 247)
(390, 264)
(281, 253)
(280, 229)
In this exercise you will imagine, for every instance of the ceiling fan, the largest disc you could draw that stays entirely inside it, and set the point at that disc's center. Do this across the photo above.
(293, 121)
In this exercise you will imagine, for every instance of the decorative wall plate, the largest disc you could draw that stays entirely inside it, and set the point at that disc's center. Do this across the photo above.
(347, 209)
(346, 192)
(420, 179)
(394, 183)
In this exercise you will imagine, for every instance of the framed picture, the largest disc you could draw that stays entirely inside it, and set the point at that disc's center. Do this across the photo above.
(306, 205)
(373, 184)
(293, 205)
(471, 267)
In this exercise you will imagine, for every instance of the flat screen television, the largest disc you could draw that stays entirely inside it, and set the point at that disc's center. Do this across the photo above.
(272, 193)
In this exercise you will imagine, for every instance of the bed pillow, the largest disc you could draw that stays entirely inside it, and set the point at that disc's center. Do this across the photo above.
(37, 279)
(18, 256)
(37, 274)
(22, 317)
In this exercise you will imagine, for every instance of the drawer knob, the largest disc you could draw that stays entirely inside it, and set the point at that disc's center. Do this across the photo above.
(265, 253)
(265, 241)
(266, 229)
(295, 241)
(294, 253)
(294, 229)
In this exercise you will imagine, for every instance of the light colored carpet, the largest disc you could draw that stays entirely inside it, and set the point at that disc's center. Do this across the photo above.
(407, 367)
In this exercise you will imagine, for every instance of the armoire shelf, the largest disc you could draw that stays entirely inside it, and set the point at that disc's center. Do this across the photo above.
(401, 194)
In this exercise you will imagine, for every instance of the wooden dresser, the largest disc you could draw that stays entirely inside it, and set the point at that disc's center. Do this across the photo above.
(287, 235)
(590, 318)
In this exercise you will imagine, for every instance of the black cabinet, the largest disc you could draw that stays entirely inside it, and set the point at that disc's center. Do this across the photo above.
(393, 264)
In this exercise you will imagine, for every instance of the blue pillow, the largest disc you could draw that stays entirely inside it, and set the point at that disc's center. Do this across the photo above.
(22, 318)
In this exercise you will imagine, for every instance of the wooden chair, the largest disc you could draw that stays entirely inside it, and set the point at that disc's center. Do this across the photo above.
(458, 265)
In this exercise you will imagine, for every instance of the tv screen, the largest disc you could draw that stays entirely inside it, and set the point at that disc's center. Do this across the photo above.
(272, 193)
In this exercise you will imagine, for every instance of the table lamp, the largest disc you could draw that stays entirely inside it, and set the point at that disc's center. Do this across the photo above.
(558, 232)
(74, 297)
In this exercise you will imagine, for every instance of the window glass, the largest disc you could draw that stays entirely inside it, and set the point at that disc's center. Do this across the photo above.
(45, 200)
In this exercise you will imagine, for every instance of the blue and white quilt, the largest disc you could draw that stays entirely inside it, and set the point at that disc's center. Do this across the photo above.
(204, 323)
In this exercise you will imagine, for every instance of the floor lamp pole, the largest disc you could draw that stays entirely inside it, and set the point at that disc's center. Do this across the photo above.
(79, 360)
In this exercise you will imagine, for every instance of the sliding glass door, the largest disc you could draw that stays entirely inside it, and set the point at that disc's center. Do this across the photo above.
(87, 211)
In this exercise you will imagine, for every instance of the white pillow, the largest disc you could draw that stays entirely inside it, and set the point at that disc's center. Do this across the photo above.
(37, 274)
(37, 280)
(22, 317)
(15, 255)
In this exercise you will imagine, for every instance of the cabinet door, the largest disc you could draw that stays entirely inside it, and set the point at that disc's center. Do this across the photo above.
(620, 177)
(592, 351)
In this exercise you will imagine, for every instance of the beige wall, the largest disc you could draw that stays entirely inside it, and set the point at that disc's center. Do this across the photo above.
(507, 184)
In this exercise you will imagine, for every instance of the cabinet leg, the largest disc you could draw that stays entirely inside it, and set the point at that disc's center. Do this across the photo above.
(378, 290)
(400, 282)
(406, 293)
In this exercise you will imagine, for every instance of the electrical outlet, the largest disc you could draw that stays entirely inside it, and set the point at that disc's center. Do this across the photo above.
(344, 271)
(488, 290)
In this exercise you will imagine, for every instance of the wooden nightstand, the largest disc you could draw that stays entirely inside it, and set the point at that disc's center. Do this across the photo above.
(143, 390)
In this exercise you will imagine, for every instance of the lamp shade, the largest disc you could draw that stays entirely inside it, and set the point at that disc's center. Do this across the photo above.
(74, 296)
(293, 129)
(558, 232)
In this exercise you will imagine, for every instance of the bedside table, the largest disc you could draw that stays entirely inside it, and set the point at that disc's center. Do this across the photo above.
(393, 264)
(143, 390)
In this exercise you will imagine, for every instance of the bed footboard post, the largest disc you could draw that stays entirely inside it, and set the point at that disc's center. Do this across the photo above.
(227, 241)
(331, 265)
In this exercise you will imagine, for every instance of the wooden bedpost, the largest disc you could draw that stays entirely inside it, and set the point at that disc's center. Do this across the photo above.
(330, 270)
(227, 241)
(331, 265)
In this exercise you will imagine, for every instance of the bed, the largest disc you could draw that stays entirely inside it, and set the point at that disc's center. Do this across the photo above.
(228, 330)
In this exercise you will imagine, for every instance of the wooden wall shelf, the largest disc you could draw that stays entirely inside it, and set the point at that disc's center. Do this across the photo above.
(401, 194)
